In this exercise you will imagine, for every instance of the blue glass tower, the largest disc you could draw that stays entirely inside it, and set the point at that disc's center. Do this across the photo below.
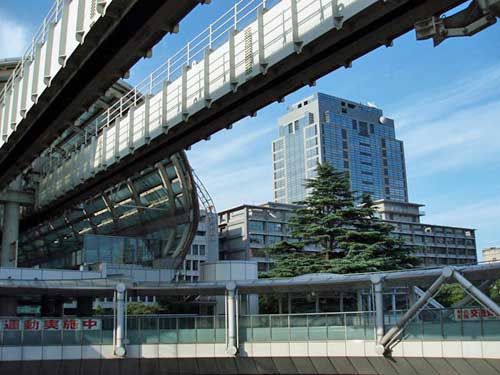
(352, 137)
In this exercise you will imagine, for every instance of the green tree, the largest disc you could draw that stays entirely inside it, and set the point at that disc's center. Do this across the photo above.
(139, 308)
(369, 244)
(349, 236)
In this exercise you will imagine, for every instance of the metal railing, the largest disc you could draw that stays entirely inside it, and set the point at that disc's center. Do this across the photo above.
(211, 65)
(53, 16)
(434, 324)
(242, 13)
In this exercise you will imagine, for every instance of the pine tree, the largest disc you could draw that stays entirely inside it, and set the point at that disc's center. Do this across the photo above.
(370, 245)
(349, 235)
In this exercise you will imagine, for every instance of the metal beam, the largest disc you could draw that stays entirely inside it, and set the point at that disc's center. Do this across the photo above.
(381, 348)
(476, 293)
(20, 197)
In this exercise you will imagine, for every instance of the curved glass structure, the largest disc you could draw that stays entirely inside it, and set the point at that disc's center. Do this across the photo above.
(148, 219)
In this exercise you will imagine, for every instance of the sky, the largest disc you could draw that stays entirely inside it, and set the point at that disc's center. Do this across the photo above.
(445, 102)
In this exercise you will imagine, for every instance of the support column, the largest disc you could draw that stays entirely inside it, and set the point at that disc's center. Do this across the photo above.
(10, 230)
(232, 319)
(378, 288)
(121, 305)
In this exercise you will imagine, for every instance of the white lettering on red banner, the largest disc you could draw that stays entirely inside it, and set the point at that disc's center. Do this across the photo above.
(473, 314)
(68, 324)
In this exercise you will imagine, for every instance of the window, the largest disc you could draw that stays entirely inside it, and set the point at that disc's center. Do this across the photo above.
(256, 239)
(271, 240)
(311, 118)
(290, 128)
(194, 250)
(354, 124)
(202, 249)
(363, 129)
(274, 227)
(372, 129)
(344, 133)
(346, 164)
(256, 225)
(365, 153)
(200, 233)
(327, 116)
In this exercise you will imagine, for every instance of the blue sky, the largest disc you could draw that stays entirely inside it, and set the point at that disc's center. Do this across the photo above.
(445, 102)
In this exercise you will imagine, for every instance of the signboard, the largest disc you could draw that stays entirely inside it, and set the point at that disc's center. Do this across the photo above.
(473, 314)
(36, 324)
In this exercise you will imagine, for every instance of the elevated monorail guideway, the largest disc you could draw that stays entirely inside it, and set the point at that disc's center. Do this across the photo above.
(258, 52)
(81, 49)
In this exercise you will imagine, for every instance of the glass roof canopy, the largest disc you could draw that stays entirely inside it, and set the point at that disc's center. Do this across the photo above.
(160, 203)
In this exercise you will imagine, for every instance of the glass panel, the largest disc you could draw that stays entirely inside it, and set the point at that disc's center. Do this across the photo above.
(261, 331)
(12, 338)
(220, 334)
(149, 330)
(32, 338)
(317, 327)
(491, 329)
(168, 330)
(72, 337)
(133, 332)
(53, 337)
(107, 330)
(280, 331)
(355, 327)
(187, 331)
(298, 327)
(206, 329)
(336, 327)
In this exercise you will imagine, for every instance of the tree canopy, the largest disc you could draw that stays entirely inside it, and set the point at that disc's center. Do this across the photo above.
(338, 233)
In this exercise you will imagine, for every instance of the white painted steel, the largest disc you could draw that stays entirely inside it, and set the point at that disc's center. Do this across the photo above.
(210, 66)
(62, 30)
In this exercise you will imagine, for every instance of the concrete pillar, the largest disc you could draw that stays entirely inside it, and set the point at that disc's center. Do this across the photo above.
(10, 230)
(52, 306)
(84, 306)
(8, 306)
(232, 319)
(121, 305)
(379, 306)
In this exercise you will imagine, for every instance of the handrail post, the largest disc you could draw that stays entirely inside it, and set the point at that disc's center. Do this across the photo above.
(232, 319)
(120, 350)
(377, 282)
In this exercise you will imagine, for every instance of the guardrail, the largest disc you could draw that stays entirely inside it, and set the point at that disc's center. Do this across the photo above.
(467, 324)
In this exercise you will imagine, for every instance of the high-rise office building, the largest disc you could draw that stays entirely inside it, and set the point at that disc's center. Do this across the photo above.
(352, 137)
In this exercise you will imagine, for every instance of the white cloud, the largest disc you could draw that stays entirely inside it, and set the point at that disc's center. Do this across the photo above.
(466, 138)
(235, 165)
(476, 89)
(14, 36)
